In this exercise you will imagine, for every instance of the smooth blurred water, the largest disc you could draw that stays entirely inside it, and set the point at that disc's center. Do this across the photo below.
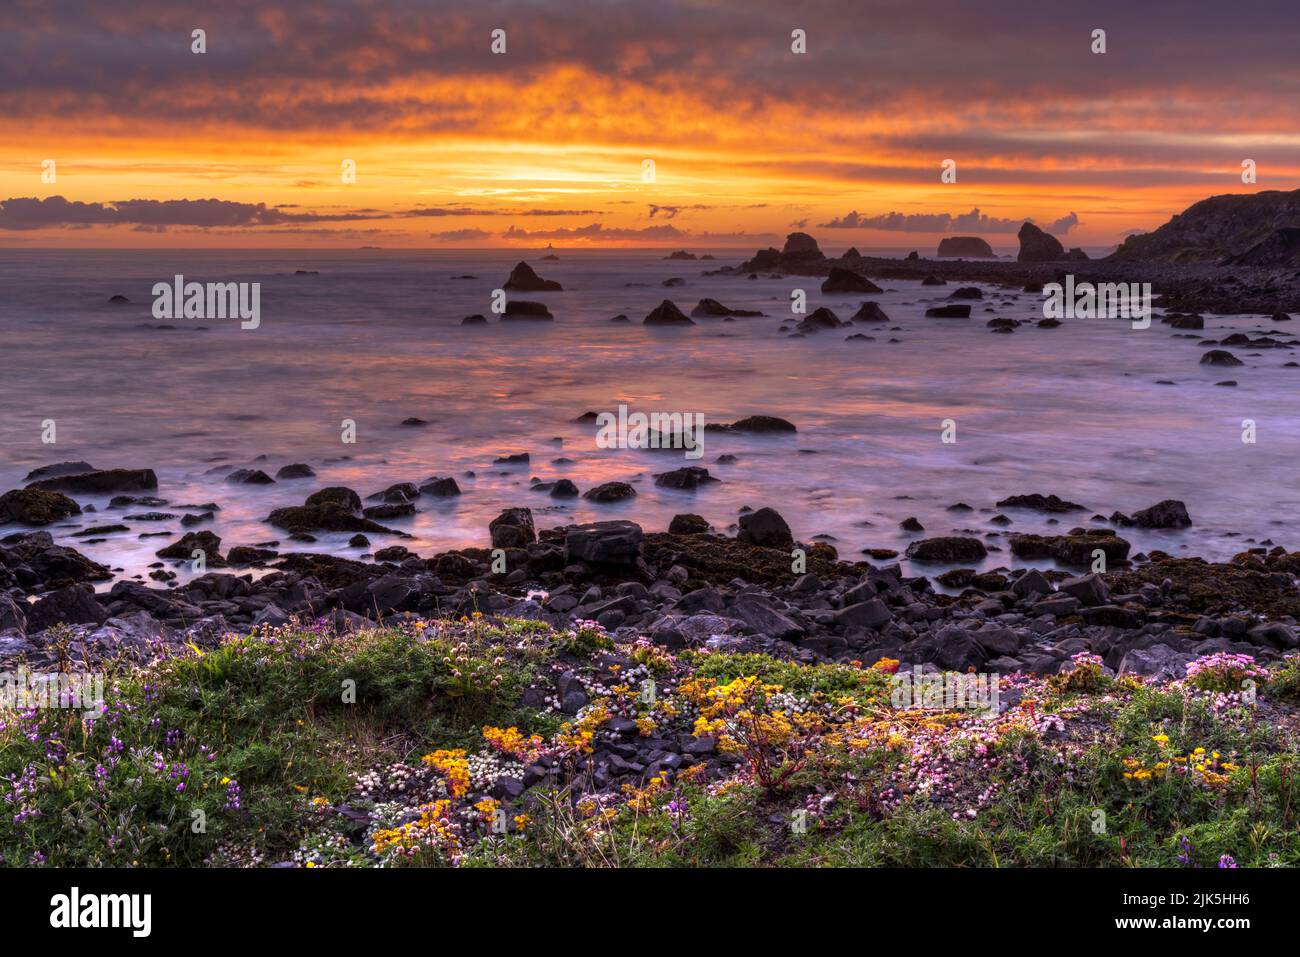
(376, 337)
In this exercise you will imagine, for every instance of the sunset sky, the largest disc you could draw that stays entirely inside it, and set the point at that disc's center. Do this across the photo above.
(456, 146)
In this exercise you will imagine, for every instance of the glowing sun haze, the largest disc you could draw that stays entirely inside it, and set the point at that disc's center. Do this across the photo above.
(454, 145)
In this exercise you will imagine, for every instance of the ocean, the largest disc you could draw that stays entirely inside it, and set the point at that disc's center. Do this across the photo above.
(375, 336)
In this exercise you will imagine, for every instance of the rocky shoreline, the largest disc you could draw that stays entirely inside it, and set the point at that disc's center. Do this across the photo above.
(688, 587)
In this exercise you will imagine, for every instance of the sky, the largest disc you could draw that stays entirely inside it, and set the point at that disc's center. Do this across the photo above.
(676, 124)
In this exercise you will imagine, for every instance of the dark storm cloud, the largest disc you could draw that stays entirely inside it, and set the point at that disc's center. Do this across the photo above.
(974, 221)
(347, 64)
(34, 213)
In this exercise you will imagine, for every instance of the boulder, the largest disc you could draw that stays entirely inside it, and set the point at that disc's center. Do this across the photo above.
(518, 310)
(947, 550)
(966, 247)
(337, 495)
(869, 312)
(610, 492)
(616, 543)
(184, 547)
(667, 314)
(765, 528)
(1220, 357)
(1037, 246)
(819, 319)
(1089, 589)
(295, 471)
(524, 279)
(846, 280)
(688, 478)
(513, 528)
(101, 481)
(73, 605)
(57, 469)
(440, 487)
(1170, 513)
(34, 506)
(688, 524)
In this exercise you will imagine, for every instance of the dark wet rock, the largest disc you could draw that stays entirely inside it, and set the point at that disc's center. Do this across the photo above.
(563, 488)
(57, 469)
(440, 487)
(358, 541)
(759, 613)
(73, 605)
(524, 279)
(336, 495)
(800, 255)
(1032, 582)
(101, 481)
(523, 310)
(603, 543)
(296, 471)
(1088, 589)
(397, 494)
(711, 307)
(687, 478)
(100, 530)
(389, 511)
(911, 524)
(948, 312)
(30, 560)
(1170, 513)
(196, 519)
(517, 458)
(610, 492)
(1037, 246)
(243, 555)
(947, 550)
(1155, 661)
(846, 280)
(667, 314)
(681, 254)
(1220, 357)
(327, 516)
(688, 524)
(869, 312)
(820, 319)
(967, 292)
(474, 320)
(933, 281)
(250, 477)
(965, 247)
(34, 506)
(513, 528)
(1040, 503)
(765, 528)
(873, 613)
(1074, 549)
(754, 423)
(207, 542)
